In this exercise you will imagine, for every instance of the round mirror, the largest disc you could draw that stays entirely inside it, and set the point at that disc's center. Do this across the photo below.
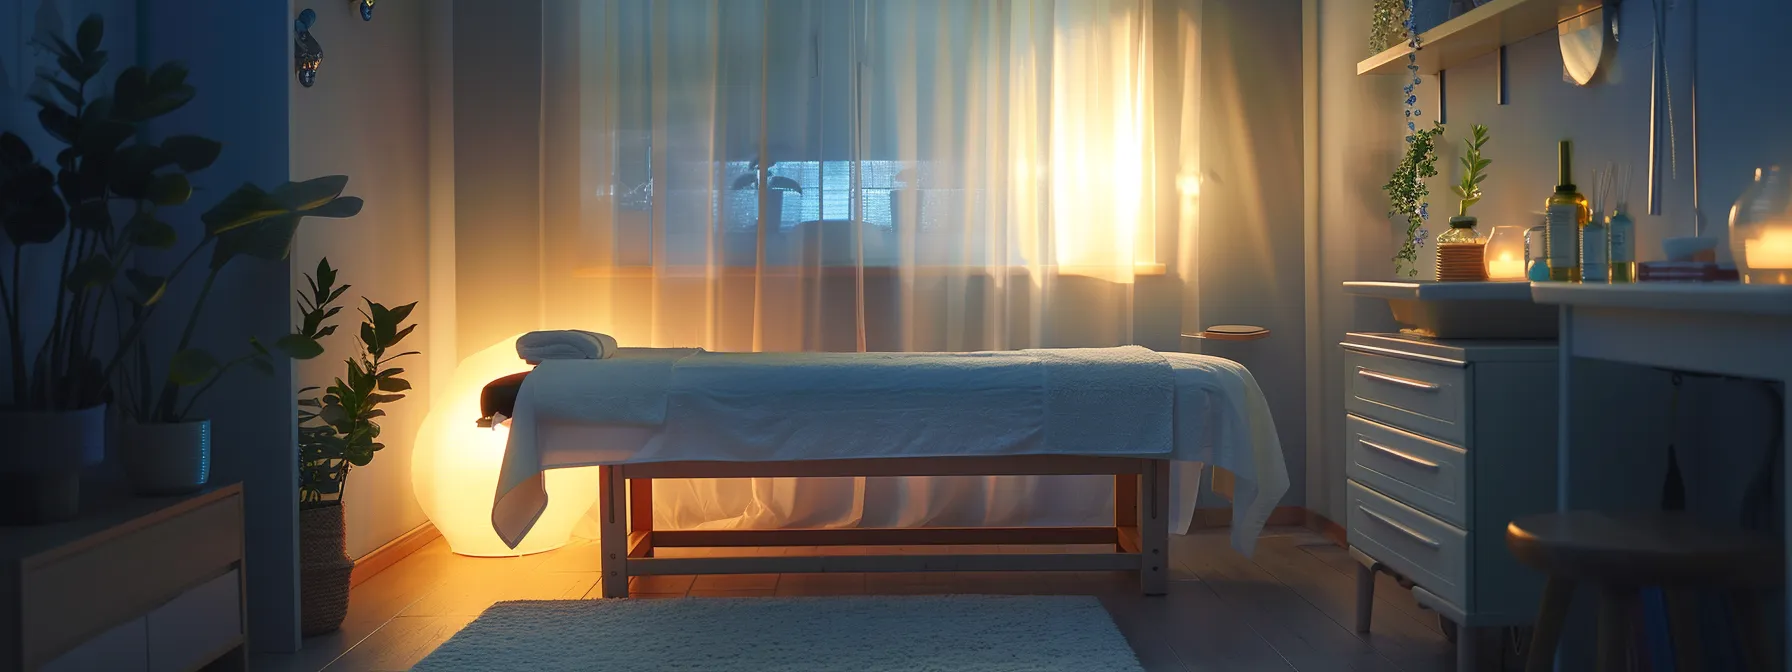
(1584, 40)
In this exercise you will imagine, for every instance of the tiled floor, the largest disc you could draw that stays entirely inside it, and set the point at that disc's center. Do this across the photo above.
(1287, 608)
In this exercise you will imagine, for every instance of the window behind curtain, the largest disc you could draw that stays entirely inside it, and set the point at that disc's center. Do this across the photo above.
(928, 123)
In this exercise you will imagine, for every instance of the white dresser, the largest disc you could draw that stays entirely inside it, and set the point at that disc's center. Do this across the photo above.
(1446, 442)
(139, 584)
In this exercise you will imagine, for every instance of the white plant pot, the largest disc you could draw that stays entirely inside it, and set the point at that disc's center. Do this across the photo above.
(167, 458)
(40, 471)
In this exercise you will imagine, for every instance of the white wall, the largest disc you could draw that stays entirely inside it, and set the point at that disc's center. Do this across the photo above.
(366, 118)
(1744, 89)
(1251, 267)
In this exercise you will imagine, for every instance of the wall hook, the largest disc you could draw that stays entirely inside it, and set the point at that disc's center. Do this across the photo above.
(307, 54)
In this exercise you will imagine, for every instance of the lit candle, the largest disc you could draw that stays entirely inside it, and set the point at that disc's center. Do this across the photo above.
(1505, 268)
(1769, 258)
(1772, 250)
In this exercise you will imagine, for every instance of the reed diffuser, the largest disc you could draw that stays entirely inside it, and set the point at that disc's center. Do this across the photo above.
(1622, 230)
(1595, 244)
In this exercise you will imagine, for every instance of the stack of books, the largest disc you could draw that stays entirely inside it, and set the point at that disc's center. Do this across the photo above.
(1684, 271)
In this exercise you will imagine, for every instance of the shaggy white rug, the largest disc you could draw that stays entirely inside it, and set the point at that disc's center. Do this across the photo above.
(973, 633)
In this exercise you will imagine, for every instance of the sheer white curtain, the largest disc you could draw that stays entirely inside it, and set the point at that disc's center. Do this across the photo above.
(917, 175)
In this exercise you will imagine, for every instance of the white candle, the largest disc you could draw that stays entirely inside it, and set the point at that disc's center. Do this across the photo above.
(1505, 268)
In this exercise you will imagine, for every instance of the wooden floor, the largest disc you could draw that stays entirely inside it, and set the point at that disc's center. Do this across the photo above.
(1288, 608)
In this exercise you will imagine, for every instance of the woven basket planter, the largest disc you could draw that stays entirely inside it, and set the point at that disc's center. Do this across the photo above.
(324, 568)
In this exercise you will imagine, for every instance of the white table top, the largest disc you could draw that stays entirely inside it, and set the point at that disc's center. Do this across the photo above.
(1442, 291)
(1722, 297)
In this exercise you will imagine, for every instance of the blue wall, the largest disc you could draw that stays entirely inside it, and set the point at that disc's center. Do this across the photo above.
(19, 61)
(240, 54)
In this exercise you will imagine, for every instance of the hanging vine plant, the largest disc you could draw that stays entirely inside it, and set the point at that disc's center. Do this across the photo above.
(1407, 195)
(1407, 192)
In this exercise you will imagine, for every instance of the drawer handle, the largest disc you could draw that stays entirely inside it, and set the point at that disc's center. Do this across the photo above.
(1427, 541)
(1397, 380)
(1403, 457)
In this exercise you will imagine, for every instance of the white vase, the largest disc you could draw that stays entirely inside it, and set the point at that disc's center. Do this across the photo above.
(167, 458)
(40, 471)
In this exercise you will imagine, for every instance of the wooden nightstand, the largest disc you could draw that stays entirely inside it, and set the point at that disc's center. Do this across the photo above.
(148, 583)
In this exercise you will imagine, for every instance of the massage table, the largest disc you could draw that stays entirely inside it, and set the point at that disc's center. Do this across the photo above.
(650, 413)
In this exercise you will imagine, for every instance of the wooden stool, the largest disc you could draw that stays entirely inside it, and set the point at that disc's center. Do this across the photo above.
(1622, 552)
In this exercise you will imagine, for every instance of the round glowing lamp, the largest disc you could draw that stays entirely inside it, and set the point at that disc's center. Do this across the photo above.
(1761, 229)
(1505, 254)
(454, 467)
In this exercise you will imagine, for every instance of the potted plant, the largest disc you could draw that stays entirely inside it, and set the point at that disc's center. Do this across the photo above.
(761, 176)
(905, 198)
(166, 447)
(109, 185)
(1474, 171)
(338, 431)
(55, 410)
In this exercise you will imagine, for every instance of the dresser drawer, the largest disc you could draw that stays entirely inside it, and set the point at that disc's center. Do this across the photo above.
(121, 649)
(1432, 553)
(70, 596)
(1430, 399)
(191, 630)
(1417, 471)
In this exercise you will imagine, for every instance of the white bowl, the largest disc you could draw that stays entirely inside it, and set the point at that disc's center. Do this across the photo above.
(1684, 248)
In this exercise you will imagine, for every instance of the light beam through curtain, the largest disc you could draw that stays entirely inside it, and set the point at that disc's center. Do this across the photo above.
(859, 175)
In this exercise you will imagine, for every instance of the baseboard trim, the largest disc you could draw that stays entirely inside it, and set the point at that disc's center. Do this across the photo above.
(1208, 519)
(384, 557)
(1325, 527)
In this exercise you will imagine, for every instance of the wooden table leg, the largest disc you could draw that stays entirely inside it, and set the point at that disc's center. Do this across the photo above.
(1683, 624)
(1558, 593)
(1614, 627)
(1126, 504)
(1757, 648)
(640, 509)
(1154, 527)
(613, 531)
(1468, 648)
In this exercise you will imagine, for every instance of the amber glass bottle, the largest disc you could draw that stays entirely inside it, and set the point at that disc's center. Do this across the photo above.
(1567, 213)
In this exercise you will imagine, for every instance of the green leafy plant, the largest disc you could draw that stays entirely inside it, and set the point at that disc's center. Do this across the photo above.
(338, 429)
(72, 200)
(1387, 25)
(1407, 193)
(248, 222)
(104, 194)
(1473, 170)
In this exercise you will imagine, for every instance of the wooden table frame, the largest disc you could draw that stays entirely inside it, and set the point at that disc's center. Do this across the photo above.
(1140, 533)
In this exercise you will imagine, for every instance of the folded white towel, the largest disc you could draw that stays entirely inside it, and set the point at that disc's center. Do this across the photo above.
(538, 346)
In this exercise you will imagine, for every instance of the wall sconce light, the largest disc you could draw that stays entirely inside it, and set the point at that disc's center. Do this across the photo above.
(366, 9)
(454, 467)
(307, 54)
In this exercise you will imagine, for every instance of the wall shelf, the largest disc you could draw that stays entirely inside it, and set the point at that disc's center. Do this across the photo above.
(1478, 32)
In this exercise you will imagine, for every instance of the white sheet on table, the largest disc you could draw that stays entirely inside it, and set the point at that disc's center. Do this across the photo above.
(1221, 418)
(773, 407)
